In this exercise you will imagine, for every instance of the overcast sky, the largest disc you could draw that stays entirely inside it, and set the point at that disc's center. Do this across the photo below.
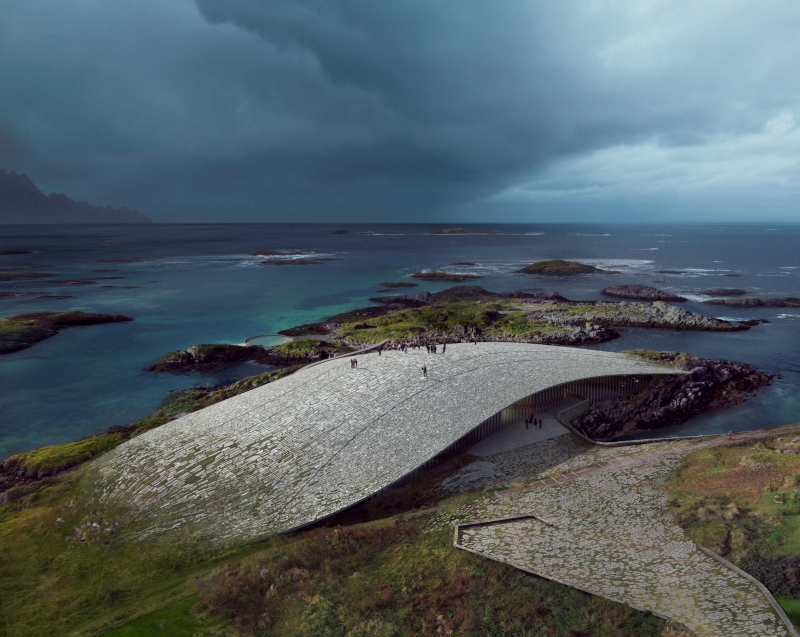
(408, 110)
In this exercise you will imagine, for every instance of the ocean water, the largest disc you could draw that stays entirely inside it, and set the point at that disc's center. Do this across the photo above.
(197, 283)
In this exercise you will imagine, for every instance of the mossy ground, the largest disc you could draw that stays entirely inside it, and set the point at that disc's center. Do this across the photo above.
(381, 577)
(458, 319)
(742, 500)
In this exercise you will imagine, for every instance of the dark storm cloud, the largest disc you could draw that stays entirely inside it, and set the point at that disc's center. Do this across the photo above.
(357, 109)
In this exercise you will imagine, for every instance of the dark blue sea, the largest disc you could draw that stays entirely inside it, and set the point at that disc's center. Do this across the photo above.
(197, 283)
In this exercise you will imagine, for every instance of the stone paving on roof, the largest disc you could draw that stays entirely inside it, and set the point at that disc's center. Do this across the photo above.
(611, 533)
(291, 452)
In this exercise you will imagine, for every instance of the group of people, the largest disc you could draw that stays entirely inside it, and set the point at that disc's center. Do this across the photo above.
(533, 421)
(353, 363)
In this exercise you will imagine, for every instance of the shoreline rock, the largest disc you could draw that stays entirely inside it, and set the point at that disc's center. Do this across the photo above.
(657, 314)
(709, 385)
(641, 293)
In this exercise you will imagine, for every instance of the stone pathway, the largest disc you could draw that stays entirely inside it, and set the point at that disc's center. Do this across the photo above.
(600, 522)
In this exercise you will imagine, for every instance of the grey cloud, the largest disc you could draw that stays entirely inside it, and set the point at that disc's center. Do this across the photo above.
(357, 109)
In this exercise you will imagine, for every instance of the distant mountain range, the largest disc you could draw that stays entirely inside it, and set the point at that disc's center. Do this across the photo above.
(22, 202)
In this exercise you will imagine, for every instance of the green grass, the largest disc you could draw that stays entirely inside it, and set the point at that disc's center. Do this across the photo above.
(389, 578)
(792, 609)
(742, 501)
(174, 620)
(47, 460)
(383, 577)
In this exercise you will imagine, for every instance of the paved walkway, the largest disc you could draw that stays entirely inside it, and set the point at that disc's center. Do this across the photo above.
(518, 435)
(601, 523)
(304, 447)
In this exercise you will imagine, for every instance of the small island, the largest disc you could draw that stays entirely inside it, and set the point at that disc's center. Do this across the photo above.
(24, 330)
(559, 267)
(398, 284)
(641, 293)
(455, 277)
(465, 231)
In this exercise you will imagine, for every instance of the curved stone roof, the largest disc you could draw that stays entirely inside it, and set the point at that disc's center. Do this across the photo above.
(311, 444)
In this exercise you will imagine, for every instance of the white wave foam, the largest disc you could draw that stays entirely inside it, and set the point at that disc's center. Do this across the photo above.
(788, 316)
(694, 297)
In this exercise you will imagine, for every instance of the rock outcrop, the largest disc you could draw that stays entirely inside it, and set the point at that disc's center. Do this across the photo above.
(206, 356)
(641, 293)
(404, 300)
(707, 385)
(629, 314)
(209, 356)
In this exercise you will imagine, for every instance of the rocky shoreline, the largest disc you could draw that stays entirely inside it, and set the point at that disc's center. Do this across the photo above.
(708, 385)
(630, 314)
(461, 313)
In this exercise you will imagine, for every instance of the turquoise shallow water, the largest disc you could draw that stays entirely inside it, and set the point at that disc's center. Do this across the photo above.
(197, 283)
